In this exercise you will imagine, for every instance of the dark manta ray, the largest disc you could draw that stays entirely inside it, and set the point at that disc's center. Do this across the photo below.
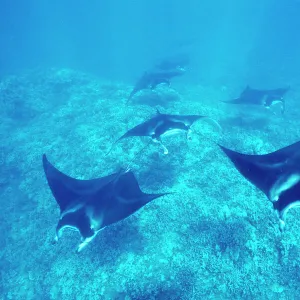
(163, 124)
(265, 98)
(277, 174)
(90, 205)
(150, 79)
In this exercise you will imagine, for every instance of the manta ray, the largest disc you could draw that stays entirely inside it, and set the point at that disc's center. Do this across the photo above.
(150, 79)
(276, 174)
(88, 206)
(162, 125)
(266, 98)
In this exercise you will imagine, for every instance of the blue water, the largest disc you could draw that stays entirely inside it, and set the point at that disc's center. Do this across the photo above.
(116, 39)
(66, 71)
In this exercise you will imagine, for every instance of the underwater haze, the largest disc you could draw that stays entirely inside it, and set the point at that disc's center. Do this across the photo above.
(117, 39)
(102, 86)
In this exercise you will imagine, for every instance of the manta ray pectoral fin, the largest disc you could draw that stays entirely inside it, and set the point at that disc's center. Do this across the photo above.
(255, 168)
(276, 174)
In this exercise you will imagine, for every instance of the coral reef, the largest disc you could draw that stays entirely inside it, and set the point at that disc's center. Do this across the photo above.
(216, 237)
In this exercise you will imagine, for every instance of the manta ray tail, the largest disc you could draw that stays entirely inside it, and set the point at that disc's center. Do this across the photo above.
(112, 147)
(127, 134)
(232, 101)
(130, 96)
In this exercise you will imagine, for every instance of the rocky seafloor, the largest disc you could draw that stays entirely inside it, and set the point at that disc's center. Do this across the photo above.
(215, 237)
